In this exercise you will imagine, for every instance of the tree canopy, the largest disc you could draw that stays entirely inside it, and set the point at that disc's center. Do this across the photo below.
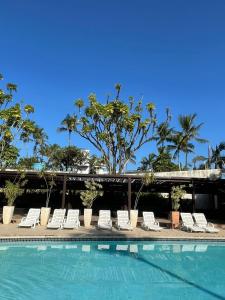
(15, 123)
(117, 129)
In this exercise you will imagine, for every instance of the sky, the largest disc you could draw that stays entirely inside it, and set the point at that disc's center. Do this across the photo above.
(170, 52)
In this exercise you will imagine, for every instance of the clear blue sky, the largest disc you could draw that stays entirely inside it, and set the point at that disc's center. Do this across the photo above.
(171, 52)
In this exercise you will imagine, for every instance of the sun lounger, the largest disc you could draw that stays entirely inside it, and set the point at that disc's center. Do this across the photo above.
(201, 221)
(32, 218)
(123, 221)
(56, 222)
(188, 223)
(149, 221)
(72, 219)
(104, 220)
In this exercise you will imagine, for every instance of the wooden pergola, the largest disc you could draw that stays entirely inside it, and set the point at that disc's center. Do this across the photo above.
(127, 183)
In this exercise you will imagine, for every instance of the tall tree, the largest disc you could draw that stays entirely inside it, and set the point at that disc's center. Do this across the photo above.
(190, 132)
(64, 158)
(40, 140)
(68, 125)
(147, 163)
(117, 129)
(217, 157)
(176, 145)
(158, 163)
(164, 132)
(14, 120)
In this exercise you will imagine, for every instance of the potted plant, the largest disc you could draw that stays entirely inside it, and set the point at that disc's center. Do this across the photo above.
(49, 179)
(177, 193)
(147, 179)
(11, 191)
(88, 197)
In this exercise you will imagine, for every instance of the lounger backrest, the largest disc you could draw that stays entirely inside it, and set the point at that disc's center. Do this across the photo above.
(58, 215)
(122, 216)
(104, 216)
(33, 214)
(200, 219)
(148, 217)
(73, 215)
(187, 219)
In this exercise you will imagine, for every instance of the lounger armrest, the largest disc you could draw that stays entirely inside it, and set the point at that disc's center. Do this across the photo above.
(156, 223)
(23, 219)
(210, 224)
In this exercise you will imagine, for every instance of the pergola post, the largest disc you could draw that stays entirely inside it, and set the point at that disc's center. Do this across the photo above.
(64, 192)
(193, 197)
(129, 194)
(170, 200)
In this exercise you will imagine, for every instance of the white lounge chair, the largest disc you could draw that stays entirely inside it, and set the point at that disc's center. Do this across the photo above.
(32, 218)
(104, 220)
(72, 219)
(149, 221)
(201, 221)
(188, 223)
(123, 221)
(56, 222)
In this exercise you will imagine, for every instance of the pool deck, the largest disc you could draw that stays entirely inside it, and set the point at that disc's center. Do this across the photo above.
(12, 231)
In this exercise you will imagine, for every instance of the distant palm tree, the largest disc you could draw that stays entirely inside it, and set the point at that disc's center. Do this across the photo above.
(190, 132)
(176, 146)
(163, 134)
(40, 138)
(148, 162)
(181, 140)
(217, 158)
(199, 158)
(69, 124)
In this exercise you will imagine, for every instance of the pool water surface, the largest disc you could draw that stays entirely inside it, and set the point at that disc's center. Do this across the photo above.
(112, 270)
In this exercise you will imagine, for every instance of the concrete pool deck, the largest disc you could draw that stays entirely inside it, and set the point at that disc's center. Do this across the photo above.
(12, 231)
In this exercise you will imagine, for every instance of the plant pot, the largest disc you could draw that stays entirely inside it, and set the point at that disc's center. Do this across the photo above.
(7, 214)
(45, 213)
(175, 218)
(87, 217)
(133, 218)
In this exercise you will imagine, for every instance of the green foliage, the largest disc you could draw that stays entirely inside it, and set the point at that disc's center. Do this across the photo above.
(117, 129)
(14, 121)
(176, 195)
(217, 157)
(49, 179)
(27, 162)
(9, 156)
(64, 158)
(147, 179)
(68, 124)
(182, 141)
(12, 190)
(158, 163)
(91, 193)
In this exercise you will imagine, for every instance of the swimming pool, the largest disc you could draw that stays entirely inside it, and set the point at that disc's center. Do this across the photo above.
(112, 270)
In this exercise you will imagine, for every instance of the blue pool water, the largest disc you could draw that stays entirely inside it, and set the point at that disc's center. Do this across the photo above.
(112, 270)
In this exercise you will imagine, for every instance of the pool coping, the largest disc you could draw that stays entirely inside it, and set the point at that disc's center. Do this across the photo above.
(4, 239)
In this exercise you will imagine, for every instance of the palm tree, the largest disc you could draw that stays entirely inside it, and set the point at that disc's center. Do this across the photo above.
(176, 146)
(216, 157)
(69, 124)
(199, 158)
(181, 140)
(148, 162)
(40, 138)
(163, 133)
(190, 132)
